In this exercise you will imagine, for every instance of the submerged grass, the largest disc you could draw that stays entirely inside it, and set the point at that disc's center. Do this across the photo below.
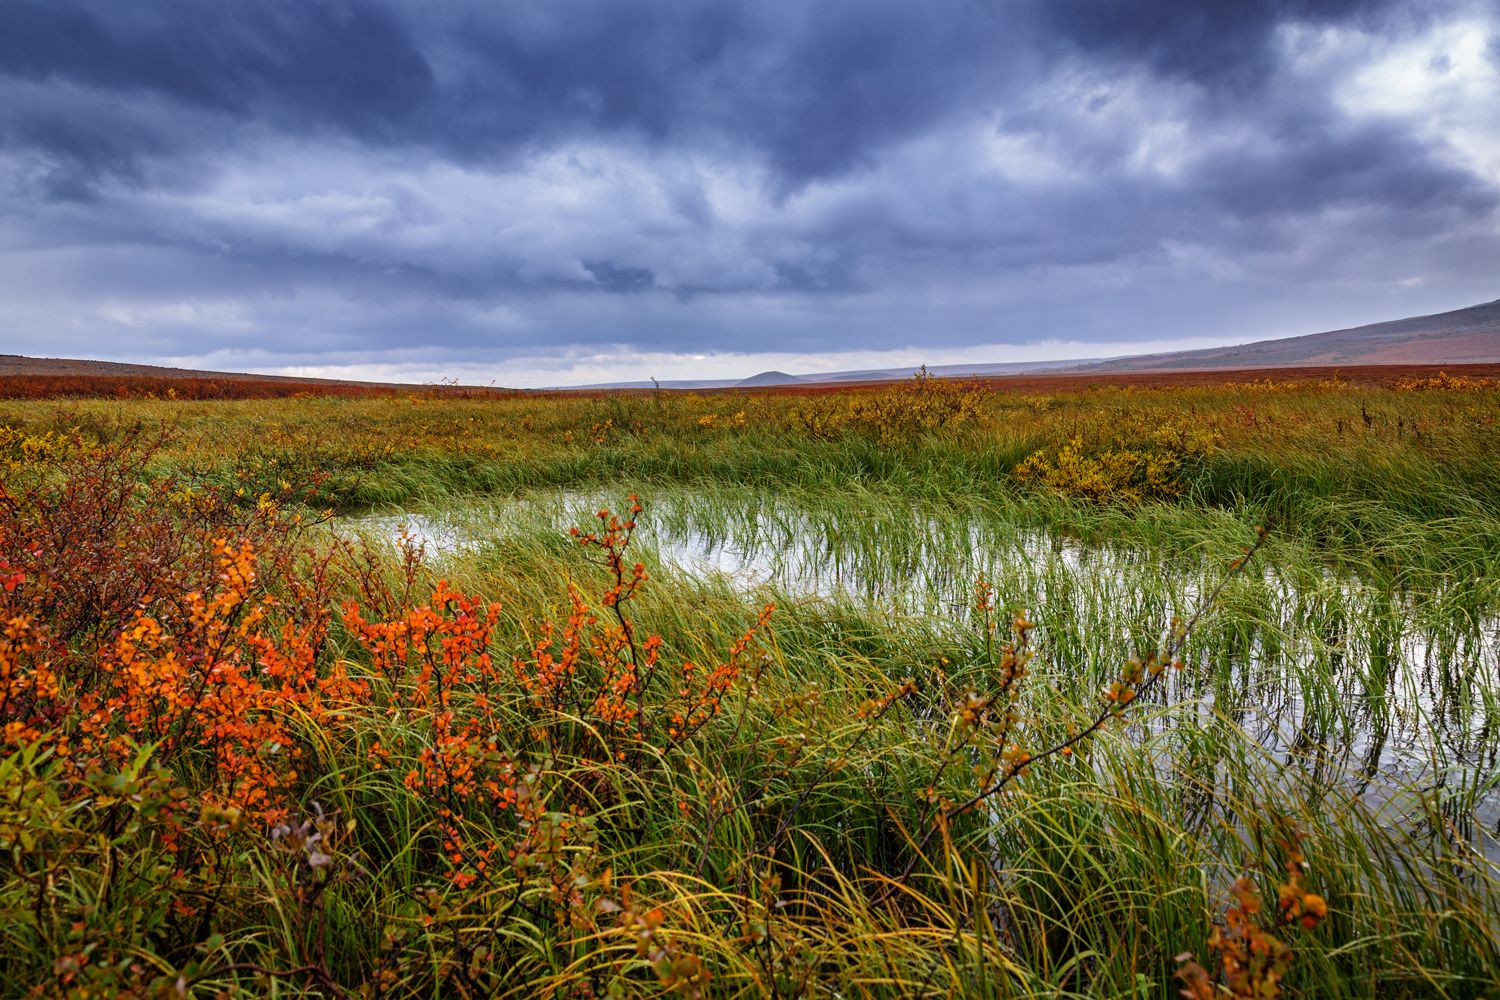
(320, 779)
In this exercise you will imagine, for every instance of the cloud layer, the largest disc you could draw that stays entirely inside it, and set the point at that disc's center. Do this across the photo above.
(534, 190)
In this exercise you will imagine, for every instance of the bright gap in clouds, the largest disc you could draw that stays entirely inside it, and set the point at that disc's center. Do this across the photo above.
(546, 372)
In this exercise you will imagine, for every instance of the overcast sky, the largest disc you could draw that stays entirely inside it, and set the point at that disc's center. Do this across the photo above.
(554, 192)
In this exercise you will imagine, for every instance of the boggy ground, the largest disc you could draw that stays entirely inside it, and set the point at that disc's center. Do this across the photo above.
(245, 754)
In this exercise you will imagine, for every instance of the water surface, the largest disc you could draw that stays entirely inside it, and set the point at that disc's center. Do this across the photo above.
(1395, 696)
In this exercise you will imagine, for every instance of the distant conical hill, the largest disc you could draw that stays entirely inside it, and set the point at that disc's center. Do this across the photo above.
(770, 378)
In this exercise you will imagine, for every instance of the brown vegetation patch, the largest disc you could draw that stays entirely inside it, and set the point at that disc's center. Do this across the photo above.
(1050, 382)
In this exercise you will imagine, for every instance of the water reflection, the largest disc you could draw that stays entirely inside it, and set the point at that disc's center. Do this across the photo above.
(1391, 696)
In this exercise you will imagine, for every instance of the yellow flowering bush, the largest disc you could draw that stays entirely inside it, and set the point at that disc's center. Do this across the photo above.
(923, 404)
(1443, 381)
(1122, 475)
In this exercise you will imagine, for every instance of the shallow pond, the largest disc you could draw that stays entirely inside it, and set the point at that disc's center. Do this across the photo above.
(1396, 696)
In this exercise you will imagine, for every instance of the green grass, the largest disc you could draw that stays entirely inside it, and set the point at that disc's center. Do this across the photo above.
(1290, 683)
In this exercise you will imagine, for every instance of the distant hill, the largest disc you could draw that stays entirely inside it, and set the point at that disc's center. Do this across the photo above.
(770, 378)
(980, 369)
(977, 370)
(1462, 336)
(17, 364)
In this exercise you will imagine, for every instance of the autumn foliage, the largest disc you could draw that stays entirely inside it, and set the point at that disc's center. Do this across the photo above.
(169, 677)
(219, 728)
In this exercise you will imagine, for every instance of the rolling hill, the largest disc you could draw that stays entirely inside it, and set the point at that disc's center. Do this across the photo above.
(1461, 336)
(21, 365)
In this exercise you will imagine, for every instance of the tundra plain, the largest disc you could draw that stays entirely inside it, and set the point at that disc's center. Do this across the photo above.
(1036, 686)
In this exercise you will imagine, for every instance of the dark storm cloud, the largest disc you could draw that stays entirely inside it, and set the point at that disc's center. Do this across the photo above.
(347, 67)
(816, 88)
(353, 64)
(620, 279)
(1217, 42)
(539, 174)
(1324, 166)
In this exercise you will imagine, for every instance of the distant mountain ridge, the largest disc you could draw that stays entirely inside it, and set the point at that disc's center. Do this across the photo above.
(1459, 336)
(22, 365)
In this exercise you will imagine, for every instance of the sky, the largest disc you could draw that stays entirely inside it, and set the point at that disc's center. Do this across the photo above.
(554, 192)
